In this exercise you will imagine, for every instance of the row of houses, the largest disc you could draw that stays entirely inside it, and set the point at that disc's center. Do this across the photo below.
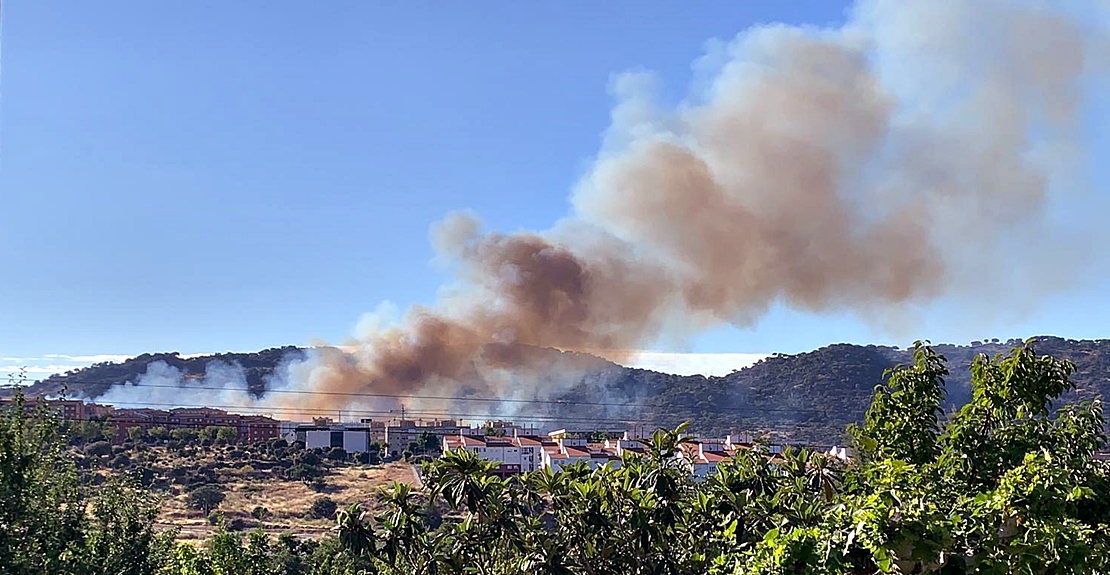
(562, 448)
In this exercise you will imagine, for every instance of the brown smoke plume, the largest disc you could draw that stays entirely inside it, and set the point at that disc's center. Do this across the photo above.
(863, 168)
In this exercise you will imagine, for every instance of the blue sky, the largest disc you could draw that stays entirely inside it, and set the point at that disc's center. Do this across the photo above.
(212, 176)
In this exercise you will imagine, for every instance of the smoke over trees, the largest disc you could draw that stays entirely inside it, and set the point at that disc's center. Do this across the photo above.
(866, 168)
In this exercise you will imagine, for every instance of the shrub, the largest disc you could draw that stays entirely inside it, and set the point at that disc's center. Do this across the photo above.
(304, 473)
(226, 434)
(337, 454)
(323, 508)
(205, 498)
(260, 513)
(98, 448)
(215, 517)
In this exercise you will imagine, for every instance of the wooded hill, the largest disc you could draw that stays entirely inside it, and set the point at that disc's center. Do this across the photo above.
(807, 397)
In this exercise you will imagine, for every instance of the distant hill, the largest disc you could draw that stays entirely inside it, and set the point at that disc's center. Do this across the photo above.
(96, 379)
(808, 396)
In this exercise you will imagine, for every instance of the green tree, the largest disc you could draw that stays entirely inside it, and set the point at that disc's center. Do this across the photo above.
(98, 448)
(158, 433)
(184, 434)
(428, 442)
(323, 508)
(136, 433)
(42, 508)
(226, 434)
(205, 498)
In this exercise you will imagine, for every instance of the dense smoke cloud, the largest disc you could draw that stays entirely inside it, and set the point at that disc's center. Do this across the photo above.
(862, 168)
(868, 168)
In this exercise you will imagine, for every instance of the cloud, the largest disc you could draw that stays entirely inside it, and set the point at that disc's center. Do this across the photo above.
(37, 369)
(97, 358)
(708, 364)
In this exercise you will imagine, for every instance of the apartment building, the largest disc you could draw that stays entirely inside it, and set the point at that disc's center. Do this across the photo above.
(323, 433)
(515, 454)
(248, 428)
(67, 409)
(400, 434)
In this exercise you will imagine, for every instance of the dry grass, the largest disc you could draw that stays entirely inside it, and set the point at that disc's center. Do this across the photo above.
(288, 502)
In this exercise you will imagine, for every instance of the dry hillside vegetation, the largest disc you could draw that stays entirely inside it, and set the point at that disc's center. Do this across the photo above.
(270, 484)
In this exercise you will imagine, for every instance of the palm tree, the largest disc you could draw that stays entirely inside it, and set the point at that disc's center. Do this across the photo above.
(462, 478)
(355, 532)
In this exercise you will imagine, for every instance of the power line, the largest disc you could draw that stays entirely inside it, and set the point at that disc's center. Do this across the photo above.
(445, 414)
(560, 402)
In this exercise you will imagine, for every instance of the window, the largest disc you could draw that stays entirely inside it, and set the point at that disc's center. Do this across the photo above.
(336, 439)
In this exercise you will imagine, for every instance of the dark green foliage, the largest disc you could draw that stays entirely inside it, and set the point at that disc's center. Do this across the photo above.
(428, 442)
(260, 513)
(226, 434)
(48, 521)
(205, 498)
(323, 508)
(307, 474)
(98, 448)
(337, 454)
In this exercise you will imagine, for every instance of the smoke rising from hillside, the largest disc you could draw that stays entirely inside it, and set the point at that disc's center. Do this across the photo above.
(868, 168)
(863, 168)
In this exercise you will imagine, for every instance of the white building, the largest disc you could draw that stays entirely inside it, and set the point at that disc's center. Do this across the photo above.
(352, 437)
(704, 457)
(516, 454)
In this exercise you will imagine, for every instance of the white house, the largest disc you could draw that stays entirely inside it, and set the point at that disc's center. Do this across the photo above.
(516, 454)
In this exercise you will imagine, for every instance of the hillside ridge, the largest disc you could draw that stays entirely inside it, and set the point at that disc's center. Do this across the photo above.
(807, 396)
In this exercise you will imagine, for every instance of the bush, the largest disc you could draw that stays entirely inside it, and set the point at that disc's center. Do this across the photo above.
(304, 473)
(215, 517)
(323, 508)
(260, 513)
(121, 460)
(205, 498)
(337, 454)
(226, 434)
(98, 448)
